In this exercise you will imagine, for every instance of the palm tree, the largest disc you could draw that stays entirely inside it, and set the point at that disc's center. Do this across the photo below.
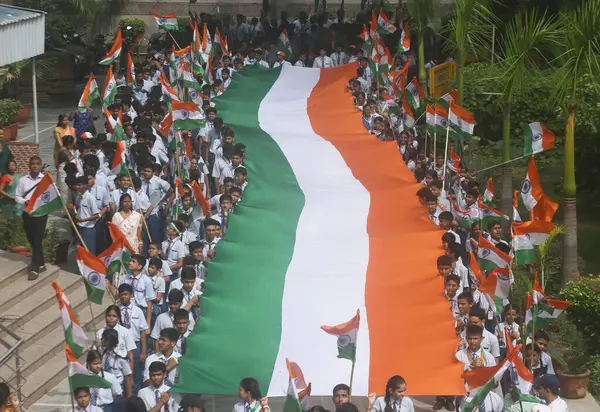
(469, 32)
(579, 56)
(526, 39)
(422, 11)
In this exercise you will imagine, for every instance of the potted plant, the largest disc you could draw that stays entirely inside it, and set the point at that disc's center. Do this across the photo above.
(571, 355)
(22, 116)
(9, 108)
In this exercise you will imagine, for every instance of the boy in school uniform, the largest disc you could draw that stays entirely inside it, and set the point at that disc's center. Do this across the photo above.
(489, 341)
(83, 399)
(154, 267)
(167, 355)
(156, 189)
(240, 177)
(188, 284)
(182, 324)
(495, 231)
(124, 189)
(155, 395)
(173, 250)
(143, 290)
(474, 355)
(433, 211)
(212, 230)
(100, 195)
(167, 319)
(542, 339)
(223, 215)
(197, 253)
(154, 249)
(87, 214)
(133, 319)
(446, 220)
(464, 302)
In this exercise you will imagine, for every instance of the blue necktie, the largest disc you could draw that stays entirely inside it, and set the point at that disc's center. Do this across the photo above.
(94, 396)
(247, 408)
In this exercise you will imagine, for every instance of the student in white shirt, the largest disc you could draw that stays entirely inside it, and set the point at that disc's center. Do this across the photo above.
(124, 188)
(338, 57)
(125, 345)
(155, 395)
(240, 177)
(134, 320)
(223, 216)
(82, 398)
(188, 284)
(154, 250)
(548, 388)
(281, 61)
(212, 230)
(249, 393)
(167, 319)
(102, 397)
(395, 397)
(154, 267)
(166, 354)
(322, 61)
(508, 329)
(301, 62)
(489, 341)
(473, 355)
(542, 339)
(156, 189)
(87, 214)
(182, 324)
(143, 291)
(173, 250)
(114, 363)
(197, 257)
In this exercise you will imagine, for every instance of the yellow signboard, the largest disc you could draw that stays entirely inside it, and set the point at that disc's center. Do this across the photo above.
(441, 78)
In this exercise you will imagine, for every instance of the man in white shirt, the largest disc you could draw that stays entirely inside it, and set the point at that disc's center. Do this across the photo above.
(34, 226)
(548, 388)
(338, 57)
(323, 61)
(241, 31)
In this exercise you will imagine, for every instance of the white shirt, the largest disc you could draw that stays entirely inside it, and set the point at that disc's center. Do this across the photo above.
(89, 408)
(299, 63)
(405, 405)
(155, 189)
(173, 250)
(143, 203)
(493, 402)
(282, 63)
(338, 58)
(558, 405)
(465, 356)
(209, 245)
(115, 196)
(106, 396)
(137, 320)
(322, 62)
(25, 187)
(101, 195)
(116, 365)
(240, 406)
(165, 320)
(159, 357)
(148, 395)
(143, 290)
(126, 342)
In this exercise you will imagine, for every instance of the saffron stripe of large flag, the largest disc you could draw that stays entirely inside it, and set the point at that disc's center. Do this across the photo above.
(166, 21)
(526, 236)
(80, 376)
(404, 41)
(531, 191)
(186, 116)
(110, 88)
(346, 334)
(489, 215)
(90, 93)
(384, 24)
(45, 198)
(490, 257)
(481, 381)
(283, 114)
(93, 272)
(75, 337)
(537, 138)
(540, 310)
(413, 93)
(461, 121)
(298, 390)
(115, 50)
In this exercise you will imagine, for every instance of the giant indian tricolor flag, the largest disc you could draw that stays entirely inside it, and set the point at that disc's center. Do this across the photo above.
(75, 337)
(45, 198)
(315, 265)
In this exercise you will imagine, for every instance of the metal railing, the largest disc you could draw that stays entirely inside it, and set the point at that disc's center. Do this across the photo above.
(12, 360)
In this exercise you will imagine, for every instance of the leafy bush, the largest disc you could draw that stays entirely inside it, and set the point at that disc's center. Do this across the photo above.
(138, 27)
(594, 366)
(584, 295)
(8, 110)
(11, 232)
(567, 346)
(51, 241)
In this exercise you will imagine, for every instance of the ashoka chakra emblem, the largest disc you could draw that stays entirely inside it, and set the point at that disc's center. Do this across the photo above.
(537, 136)
(344, 340)
(162, 20)
(526, 187)
(484, 253)
(94, 278)
(46, 197)
(185, 114)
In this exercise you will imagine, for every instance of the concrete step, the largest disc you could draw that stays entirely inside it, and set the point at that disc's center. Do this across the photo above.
(12, 266)
(19, 287)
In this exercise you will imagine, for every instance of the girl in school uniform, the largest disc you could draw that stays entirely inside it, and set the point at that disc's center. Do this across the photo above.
(251, 399)
(394, 399)
(115, 364)
(103, 397)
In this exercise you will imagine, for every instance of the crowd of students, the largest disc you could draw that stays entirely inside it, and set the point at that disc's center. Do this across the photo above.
(157, 300)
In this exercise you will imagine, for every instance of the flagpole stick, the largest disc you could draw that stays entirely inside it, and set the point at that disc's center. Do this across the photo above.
(173, 38)
(67, 360)
(352, 377)
(500, 164)
(445, 158)
(426, 135)
(70, 218)
(419, 118)
(141, 212)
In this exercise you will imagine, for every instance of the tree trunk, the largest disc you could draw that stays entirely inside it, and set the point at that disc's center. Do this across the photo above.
(570, 266)
(421, 56)
(460, 78)
(506, 192)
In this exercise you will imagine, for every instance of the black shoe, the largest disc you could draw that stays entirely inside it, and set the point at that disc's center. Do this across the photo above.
(33, 275)
(449, 405)
(438, 405)
(42, 269)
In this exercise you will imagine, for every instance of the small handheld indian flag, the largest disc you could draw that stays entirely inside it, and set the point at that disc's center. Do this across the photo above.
(168, 93)
(166, 126)
(545, 209)
(408, 118)
(489, 215)
(186, 116)
(75, 337)
(454, 162)
(298, 390)
(488, 195)
(188, 79)
(490, 257)
(497, 287)
(537, 138)
(206, 49)
(373, 33)
(519, 209)
(384, 24)
(118, 159)
(115, 257)
(110, 88)
(115, 50)
(166, 21)
(540, 310)
(130, 72)
(436, 119)
(413, 93)
(115, 126)
(45, 199)
(116, 235)
(93, 271)
(90, 93)
(82, 377)
(528, 235)
(451, 96)
(461, 120)
(531, 191)
(465, 218)
(404, 42)
(201, 201)
(284, 45)
(347, 334)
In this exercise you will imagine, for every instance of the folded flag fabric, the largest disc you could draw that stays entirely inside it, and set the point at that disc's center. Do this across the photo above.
(467, 217)
(75, 337)
(490, 257)
(526, 236)
(90, 93)
(186, 116)
(93, 272)
(404, 42)
(481, 381)
(523, 379)
(384, 24)
(531, 191)
(45, 198)
(346, 333)
(110, 88)
(118, 158)
(461, 120)
(130, 72)
(545, 209)
(490, 190)
(115, 50)
(166, 21)
(520, 212)
(413, 93)
(537, 138)
(489, 215)
(80, 376)
(540, 310)
(298, 391)
(115, 257)
(408, 118)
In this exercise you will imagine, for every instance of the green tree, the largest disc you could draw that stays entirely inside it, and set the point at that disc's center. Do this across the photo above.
(525, 43)
(422, 11)
(579, 58)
